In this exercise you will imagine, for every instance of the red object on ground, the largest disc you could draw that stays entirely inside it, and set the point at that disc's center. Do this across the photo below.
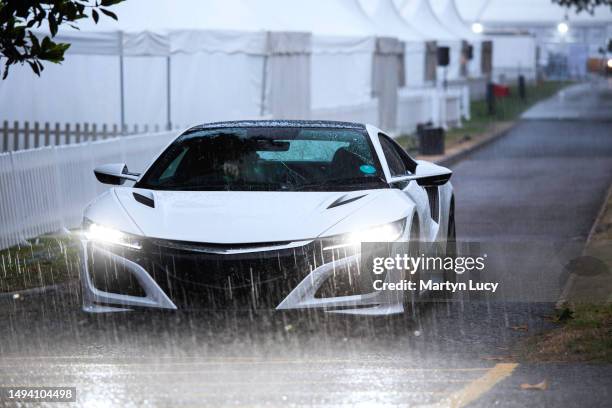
(501, 91)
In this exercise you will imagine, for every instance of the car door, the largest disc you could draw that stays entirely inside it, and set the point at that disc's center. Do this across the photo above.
(400, 165)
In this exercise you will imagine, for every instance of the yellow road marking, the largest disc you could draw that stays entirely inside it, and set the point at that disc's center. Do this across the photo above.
(477, 388)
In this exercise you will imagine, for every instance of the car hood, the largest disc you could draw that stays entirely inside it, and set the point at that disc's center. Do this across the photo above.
(230, 217)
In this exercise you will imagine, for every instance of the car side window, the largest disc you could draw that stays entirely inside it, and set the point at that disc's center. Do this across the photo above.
(396, 164)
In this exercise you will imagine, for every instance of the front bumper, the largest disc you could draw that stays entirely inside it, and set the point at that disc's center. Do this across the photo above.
(282, 276)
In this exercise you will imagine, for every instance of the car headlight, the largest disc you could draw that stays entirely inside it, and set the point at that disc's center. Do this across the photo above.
(99, 233)
(381, 233)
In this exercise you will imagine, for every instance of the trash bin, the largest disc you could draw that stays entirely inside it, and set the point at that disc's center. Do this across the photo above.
(431, 140)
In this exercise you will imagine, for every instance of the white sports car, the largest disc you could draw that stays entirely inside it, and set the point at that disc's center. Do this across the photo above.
(262, 214)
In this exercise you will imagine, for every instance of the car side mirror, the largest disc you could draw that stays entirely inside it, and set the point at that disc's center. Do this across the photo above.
(430, 175)
(114, 174)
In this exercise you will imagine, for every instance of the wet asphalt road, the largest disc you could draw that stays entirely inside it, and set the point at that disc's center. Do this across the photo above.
(537, 189)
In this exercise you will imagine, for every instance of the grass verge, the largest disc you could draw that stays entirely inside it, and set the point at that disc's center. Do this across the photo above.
(585, 334)
(42, 261)
(585, 318)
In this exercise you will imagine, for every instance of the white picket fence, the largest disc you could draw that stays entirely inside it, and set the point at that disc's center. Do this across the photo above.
(46, 189)
(416, 106)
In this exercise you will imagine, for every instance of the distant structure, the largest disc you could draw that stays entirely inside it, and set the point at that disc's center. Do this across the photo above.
(565, 40)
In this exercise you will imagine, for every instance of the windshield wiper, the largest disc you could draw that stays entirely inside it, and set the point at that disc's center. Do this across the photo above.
(251, 186)
(344, 181)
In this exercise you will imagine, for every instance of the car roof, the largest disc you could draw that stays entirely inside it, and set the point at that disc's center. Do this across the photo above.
(279, 124)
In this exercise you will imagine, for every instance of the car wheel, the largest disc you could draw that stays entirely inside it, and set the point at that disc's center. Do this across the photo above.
(411, 297)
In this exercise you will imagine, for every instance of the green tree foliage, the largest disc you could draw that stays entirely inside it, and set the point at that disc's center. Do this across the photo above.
(583, 5)
(18, 18)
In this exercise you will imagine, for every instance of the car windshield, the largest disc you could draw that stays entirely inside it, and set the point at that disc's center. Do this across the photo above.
(267, 159)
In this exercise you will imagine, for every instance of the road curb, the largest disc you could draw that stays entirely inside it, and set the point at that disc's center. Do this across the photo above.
(567, 289)
(36, 291)
(462, 155)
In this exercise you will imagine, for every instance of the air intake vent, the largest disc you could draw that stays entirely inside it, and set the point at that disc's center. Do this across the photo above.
(148, 201)
(344, 200)
(434, 202)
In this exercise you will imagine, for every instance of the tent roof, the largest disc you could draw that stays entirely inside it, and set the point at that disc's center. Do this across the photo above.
(388, 21)
(447, 13)
(422, 17)
(159, 27)
(525, 12)
(320, 17)
(161, 15)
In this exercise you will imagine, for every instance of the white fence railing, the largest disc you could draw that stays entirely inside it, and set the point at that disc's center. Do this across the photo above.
(414, 107)
(17, 135)
(454, 107)
(478, 88)
(448, 108)
(46, 189)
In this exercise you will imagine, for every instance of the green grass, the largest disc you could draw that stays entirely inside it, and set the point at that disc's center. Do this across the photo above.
(42, 261)
(591, 326)
(585, 334)
(506, 109)
(590, 317)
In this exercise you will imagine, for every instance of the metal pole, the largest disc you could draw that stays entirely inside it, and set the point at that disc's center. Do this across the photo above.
(168, 96)
(262, 109)
(121, 87)
(263, 86)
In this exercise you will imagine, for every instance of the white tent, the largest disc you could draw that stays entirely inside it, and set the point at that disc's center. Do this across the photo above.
(415, 104)
(421, 16)
(343, 44)
(447, 13)
(183, 62)
(587, 32)
(385, 15)
(191, 65)
(350, 65)
(528, 13)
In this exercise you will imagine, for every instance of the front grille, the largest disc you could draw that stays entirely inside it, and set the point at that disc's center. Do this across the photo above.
(111, 276)
(355, 279)
(193, 277)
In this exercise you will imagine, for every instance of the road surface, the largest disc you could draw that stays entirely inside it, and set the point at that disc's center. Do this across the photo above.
(542, 183)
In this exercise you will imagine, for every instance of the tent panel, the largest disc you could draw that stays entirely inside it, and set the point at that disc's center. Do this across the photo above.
(84, 88)
(288, 93)
(514, 55)
(342, 45)
(288, 75)
(386, 77)
(89, 43)
(414, 64)
(145, 91)
(146, 43)
(213, 87)
(341, 79)
(223, 41)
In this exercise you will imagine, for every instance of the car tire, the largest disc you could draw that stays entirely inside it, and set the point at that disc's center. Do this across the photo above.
(450, 251)
(412, 297)
(451, 242)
